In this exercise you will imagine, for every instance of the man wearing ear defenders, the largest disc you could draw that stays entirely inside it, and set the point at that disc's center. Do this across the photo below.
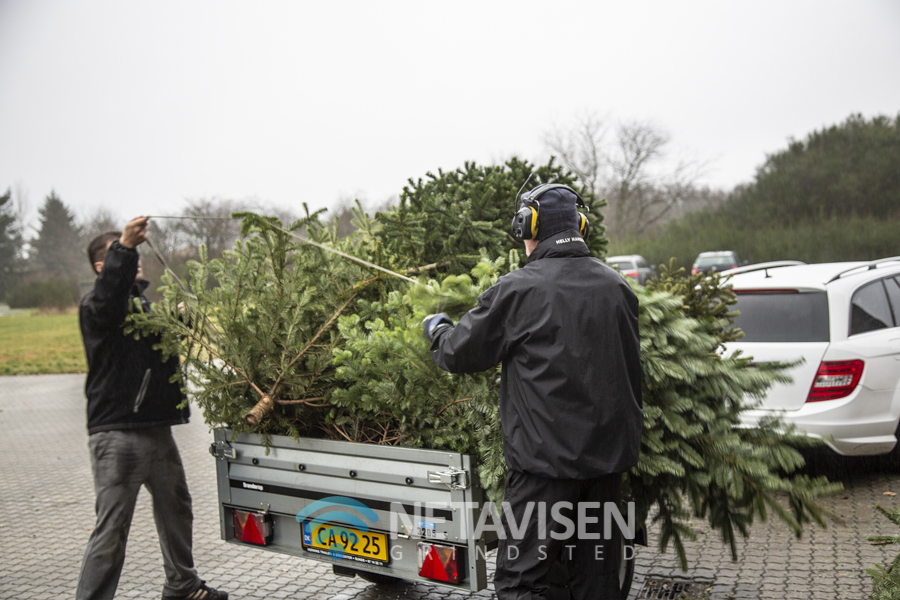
(565, 328)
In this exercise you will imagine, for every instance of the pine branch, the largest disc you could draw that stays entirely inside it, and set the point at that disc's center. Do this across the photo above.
(325, 327)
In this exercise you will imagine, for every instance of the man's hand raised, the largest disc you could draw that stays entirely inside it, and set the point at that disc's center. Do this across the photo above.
(135, 232)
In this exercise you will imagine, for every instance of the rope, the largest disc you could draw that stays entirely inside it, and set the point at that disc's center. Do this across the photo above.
(165, 265)
(302, 239)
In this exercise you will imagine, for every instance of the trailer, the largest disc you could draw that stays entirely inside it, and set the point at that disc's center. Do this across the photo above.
(383, 513)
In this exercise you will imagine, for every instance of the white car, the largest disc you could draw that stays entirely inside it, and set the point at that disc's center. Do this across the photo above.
(843, 321)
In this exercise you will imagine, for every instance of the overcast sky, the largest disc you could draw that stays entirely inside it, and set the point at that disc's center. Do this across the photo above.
(137, 106)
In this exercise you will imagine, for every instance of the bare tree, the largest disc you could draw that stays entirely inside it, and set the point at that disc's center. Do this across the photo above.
(703, 198)
(205, 221)
(580, 150)
(632, 172)
(642, 191)
(209, 223)
(97, 222)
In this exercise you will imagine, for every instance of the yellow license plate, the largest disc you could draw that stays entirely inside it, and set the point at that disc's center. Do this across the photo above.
(340, 541)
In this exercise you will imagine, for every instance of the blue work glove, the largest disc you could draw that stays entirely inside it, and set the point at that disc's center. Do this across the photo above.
(434, 322)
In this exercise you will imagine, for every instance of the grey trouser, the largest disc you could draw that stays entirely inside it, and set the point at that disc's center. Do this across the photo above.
(122, 462)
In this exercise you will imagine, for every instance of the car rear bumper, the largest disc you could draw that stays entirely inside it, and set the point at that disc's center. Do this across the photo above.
(848, 427)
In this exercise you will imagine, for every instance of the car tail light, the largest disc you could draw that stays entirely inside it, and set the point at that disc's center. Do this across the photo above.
(437, 562)
(632, 274)
(251, 527)
(695, 271)
(835, 379)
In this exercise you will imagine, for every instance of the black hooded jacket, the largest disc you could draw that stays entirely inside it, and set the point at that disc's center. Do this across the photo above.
(118, 364)
(565, 327)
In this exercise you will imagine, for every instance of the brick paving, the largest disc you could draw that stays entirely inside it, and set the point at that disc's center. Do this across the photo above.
(46, 515)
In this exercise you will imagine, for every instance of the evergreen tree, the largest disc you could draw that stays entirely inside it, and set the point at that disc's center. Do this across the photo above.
(449, 220)
(886, 581)
(266, 329)
(297, 340)
(10, 244)
(57, 249)
(843, 170)
(840, 184)
(695, 459)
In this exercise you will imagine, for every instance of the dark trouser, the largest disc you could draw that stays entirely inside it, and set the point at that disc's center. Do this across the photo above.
(122, 462)
(525, 558)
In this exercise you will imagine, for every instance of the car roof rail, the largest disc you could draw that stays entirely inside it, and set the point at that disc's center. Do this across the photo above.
(868, 266)
(763, 267)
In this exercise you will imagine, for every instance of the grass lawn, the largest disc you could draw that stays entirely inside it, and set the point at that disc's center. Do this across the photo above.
(32, 342)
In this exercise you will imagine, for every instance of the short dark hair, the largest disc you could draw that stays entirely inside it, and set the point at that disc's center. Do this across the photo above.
(97, 247)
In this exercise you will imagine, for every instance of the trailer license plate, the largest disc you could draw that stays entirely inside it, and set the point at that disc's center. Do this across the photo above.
(340, 541)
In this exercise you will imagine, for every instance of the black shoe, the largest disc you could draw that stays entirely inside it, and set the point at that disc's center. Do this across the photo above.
(204, 592)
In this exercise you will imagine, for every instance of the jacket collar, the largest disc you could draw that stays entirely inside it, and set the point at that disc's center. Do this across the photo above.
(565, 244)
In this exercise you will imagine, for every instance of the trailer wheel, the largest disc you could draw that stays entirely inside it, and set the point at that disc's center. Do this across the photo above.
(379, 579)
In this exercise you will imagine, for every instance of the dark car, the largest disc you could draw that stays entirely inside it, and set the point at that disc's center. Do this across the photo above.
(715, 262)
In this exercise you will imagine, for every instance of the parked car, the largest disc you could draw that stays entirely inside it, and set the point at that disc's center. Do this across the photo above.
(842, 320)
(707, 262)
(632, 265)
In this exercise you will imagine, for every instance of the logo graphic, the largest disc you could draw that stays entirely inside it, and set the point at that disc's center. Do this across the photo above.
(337, 530)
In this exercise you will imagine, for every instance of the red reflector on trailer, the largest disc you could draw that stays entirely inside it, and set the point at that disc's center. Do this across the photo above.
(438, 562)
(252, 528)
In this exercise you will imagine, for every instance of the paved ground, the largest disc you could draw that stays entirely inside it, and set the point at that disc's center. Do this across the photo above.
(46, 514)
(5, 310)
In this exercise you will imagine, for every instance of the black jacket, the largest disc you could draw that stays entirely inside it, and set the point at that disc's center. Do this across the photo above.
(118, 364)
(565, 327)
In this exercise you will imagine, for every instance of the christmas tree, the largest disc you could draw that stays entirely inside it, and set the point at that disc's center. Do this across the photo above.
(297, 331)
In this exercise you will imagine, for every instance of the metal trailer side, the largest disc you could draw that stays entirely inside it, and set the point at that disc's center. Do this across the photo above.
(280, 480)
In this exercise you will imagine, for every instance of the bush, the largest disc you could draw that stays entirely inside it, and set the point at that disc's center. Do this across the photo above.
(834, 197)
(56, 293)
(833, 239)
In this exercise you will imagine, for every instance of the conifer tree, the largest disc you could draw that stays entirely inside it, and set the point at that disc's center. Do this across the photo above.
(265, 331)
(58, 251)
(886, 581)
(450, 219)
(10, 244)
(335, 349)
(696, 461)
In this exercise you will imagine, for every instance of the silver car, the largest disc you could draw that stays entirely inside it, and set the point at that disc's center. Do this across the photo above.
(632, 265)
